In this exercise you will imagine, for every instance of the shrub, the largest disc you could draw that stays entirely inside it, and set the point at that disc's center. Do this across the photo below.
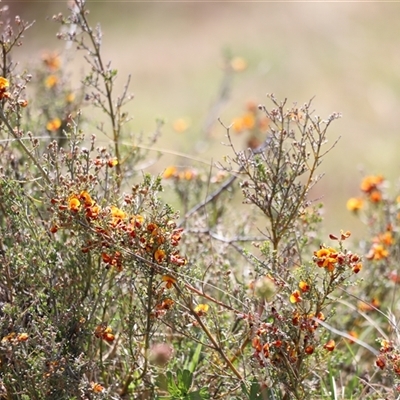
(107, 291)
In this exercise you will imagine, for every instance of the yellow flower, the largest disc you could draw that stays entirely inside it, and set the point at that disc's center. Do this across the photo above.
(326, 258)
(51, 81)
(170, 172)
(354, 204)
(201, 309)
(4, 84)
(74, 204)
(295, 297)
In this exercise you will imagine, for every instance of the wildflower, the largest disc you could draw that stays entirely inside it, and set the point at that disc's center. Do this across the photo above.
(238, 64)
(23, 103)
(354, 335)
(375, 196)
(380, 362)
(85, 196)
(238, 125)
(326, 257)
(177, 259)
(370, 183)
(304, 286)
(112, 162)
(377, 252)
(180, 125)
(330, 345)
(70, 97)
(248, 121)
(295, 297)
(354, 204)
(137, 220)
(169, 281)
(309, 350)
(114, 260)
(52, 61)
(22, 337)
(201, 309)
(53, 125)
(159, 255)
(74, 204)
(364, 306)
(104, 332)
(117, 216)
(96, 387)
(51, 81)
(357, 268)
(170, 172)
(93, 211)
(4, 84)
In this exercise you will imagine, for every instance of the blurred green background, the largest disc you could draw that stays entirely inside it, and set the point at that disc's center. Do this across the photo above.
(347, 55)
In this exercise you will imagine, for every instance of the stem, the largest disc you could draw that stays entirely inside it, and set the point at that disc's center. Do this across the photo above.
(24, 148)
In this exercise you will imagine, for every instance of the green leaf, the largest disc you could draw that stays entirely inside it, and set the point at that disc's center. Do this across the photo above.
(195, 359)
(173, 389)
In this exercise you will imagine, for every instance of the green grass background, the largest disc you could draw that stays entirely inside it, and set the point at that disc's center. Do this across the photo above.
(346, 54)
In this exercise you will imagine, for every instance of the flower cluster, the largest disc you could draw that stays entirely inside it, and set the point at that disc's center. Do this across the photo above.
(253, 122)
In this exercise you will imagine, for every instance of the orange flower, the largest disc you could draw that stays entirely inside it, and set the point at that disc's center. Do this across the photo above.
(22, 337)
(201, 309)
(380, 362)
(180, 125)
(170, 172)
(74, 204)
(52, 61)
(159, 255)
(353, 334)
(304, 286)
(295, 297)
(112, 162)
(23, 103)
(169, 280)
(248, 121)
(238, 125)
(354, 204)
(326, 257)
(70, 97)
(166, 304)
(309, 350)
(375, 196)
(96, 387)
(137, 220)
(85, 196)
(4, 84)
(357, 268)
(377, 252)
(370, 183)
(385, 238)
(365, 306)
(53, 125)
(330, 346)
(51, 81)
(117, 215)
(104, 332)
(238, 64)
